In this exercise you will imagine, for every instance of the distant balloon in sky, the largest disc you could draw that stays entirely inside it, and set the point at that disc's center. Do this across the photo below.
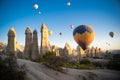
(71, 26)
(60, 33)
(68, 3)
(50, 32)
(35, 6)
(83, 35)
(39, 12)
(108, 43)
(111, 34)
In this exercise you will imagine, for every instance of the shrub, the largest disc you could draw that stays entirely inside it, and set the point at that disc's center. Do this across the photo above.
(85, 61)
(9, 69)
(55, 62)
(115, 65)
(44, 57)
(68, 65)
(48, 54)
(85, 66)
(78, 65)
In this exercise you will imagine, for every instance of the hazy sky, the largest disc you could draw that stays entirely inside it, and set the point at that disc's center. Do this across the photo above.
(102, 15)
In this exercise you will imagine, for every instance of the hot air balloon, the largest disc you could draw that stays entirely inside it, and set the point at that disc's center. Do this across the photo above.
(50, 32)
(60, 33)
(108, 43)
(35, 6)
(68, 3)
(71, 26)
(39, 12)
(111, 34)
(83, 35)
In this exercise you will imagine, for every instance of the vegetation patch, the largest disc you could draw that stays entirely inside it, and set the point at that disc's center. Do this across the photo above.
(92, 75)
(114, 65)
(57, 62)
(9, 69)
(83, 78)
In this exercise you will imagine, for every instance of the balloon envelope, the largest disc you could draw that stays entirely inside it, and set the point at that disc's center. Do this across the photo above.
(83, 35)
(35, 6)
(111, 34)
(50, 32)
(60, 33)
(68, 3)
(71, 26)
(39, 12)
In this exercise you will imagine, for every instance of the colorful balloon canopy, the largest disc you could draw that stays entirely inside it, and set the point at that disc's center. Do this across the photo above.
(111, 34)
(83, 35)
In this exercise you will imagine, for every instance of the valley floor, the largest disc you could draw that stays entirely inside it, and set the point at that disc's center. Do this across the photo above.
(37, 71)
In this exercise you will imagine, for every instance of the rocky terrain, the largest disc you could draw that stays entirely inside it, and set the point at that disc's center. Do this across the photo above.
(38, 71)
(4, 45)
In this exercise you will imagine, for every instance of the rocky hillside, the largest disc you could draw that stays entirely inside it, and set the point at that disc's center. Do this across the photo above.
(4, 45)
(37, 71)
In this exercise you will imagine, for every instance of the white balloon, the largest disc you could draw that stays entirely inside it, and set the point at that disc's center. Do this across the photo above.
(71, 26)
(35, 6)
(39, 12)
(68, 3)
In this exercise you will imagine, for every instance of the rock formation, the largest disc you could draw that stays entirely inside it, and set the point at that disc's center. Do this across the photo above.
(96, 52)
(88, 52)
(28, 43)
(75, 56)
(31, 49)
(81, 52)
(44, 40)
(67, 50)
(92, 52)
(55, 49)
(35, 51)
(74, 52)
(11, 46)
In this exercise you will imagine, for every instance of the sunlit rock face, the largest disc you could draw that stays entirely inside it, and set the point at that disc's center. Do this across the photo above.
(93, 52)
(80, 51)
(11, 46)
(67, 50)
(56, 50)
(44, 40)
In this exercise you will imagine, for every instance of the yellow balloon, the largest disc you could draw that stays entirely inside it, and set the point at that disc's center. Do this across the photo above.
(83, 35)
(50, 32)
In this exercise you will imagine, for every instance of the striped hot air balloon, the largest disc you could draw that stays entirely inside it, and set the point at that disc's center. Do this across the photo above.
(83, 35)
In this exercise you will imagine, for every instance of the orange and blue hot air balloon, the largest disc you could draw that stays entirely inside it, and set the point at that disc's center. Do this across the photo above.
(83, 35)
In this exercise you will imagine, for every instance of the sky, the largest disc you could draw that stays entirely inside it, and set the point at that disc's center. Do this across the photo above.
(102, 15)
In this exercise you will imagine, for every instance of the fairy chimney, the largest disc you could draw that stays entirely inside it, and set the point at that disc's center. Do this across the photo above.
(28, 43)
(11, 46)
(35, 51)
